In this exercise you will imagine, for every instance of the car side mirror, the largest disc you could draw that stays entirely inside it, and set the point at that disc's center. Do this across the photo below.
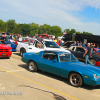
(55, 60)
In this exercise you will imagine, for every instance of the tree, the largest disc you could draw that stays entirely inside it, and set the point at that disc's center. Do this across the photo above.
(11, 24)
(34, 28)
(57, 31)
(73, 31)
(67, 31)
(2, 26)
(45, 29)
(17, 29)
(25, 28)
(87, 33)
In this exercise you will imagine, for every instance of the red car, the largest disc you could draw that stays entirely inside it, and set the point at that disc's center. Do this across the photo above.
(5, 51)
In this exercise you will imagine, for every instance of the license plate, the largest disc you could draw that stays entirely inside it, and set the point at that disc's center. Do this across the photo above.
(4, 54)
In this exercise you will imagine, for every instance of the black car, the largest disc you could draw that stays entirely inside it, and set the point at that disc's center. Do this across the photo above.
(79, 51)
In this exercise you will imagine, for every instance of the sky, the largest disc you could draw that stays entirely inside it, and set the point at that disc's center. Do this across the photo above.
(81, 15)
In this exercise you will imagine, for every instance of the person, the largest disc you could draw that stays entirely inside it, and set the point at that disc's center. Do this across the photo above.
(20, 38)
(87, 54)
(40, 39)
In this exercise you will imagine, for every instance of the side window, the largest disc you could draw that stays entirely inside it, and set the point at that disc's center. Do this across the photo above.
(80, 50)
(50, 56)
(38, 45)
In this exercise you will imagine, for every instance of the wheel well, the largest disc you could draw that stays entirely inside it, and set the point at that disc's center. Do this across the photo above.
(75, 72)
(22, 48)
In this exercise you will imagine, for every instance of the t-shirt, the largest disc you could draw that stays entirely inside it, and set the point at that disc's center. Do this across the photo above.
(89, 51)
(40, 39)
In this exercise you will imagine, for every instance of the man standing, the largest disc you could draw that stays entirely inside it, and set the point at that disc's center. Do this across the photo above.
(87, 54)
(40, 39)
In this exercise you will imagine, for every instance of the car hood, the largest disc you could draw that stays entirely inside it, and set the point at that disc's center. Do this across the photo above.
(88, 67)
(2, 46)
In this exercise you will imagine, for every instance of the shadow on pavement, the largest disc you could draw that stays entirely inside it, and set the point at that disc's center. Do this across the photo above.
(88, 87)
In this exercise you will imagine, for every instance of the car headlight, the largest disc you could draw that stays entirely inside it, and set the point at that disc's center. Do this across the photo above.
(96, 76)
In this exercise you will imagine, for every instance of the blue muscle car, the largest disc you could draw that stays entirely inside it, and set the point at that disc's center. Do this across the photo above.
(64, 64)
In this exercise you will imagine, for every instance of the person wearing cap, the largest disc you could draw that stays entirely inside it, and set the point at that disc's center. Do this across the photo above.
(87, 54)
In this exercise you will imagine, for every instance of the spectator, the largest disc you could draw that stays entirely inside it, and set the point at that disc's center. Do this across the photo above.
(87, 53)
(20, 38)
(40, 39)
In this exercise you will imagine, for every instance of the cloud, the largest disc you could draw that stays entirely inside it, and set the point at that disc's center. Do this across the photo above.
(63, 13)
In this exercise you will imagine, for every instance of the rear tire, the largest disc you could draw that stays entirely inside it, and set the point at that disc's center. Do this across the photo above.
(32, 67)
(75, 79)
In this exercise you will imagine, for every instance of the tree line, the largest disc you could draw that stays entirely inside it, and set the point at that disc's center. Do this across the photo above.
(32, 29)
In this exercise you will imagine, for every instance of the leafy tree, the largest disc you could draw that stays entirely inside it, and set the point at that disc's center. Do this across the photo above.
(56, 30)
(17, 29)
(87, 33)
(73, 31)
(79, 32)
(25, 28)
(34, 28)
(67, 31)
(2, 26)
(45, 29)
(11, 24)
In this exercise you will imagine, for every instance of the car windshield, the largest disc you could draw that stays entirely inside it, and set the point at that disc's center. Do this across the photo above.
(63, 57)
(51, 44)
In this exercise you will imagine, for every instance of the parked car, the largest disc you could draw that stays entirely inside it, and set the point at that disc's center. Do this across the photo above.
(5, 51)
(31, 46)
(79, 51)
(11, 44)
(63, 64)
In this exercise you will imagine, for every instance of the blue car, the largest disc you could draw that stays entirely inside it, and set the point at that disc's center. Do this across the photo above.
(11, 44)
(63, 64)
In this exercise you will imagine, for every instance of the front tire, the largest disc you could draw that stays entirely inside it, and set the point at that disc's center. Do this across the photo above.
(22, 51)
(32, 67)
(75, 79)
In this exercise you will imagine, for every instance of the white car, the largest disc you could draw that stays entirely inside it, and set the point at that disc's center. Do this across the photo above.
(31, 46)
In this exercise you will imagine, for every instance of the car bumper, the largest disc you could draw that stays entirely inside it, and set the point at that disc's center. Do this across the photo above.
(13, 49)
(5, 54)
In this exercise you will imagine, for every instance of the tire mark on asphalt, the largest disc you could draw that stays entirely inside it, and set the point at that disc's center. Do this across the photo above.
(58, 97)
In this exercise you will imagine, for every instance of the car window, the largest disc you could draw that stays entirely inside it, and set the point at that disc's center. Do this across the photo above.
(63, 57)
(51, 44)
(35, 43)
(80, 50)
(50, 56)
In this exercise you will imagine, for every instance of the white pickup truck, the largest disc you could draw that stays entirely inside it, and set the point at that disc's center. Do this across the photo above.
(30, 46)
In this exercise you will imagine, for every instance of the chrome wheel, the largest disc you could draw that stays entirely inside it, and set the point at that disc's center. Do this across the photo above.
(75, 79)
(32, 66)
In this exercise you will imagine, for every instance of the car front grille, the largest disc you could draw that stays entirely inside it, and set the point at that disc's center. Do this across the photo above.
(3, 50)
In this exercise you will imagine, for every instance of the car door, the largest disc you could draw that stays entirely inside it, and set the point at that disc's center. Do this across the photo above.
(48, 63)
(79, 52)
(33, 47)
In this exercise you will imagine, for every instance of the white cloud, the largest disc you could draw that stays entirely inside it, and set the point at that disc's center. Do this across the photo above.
(58, 11)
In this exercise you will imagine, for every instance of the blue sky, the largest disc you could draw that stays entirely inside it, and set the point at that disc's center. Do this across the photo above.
(81, 15)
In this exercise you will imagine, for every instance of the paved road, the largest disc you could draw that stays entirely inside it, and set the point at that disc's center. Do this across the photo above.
(17, 83)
